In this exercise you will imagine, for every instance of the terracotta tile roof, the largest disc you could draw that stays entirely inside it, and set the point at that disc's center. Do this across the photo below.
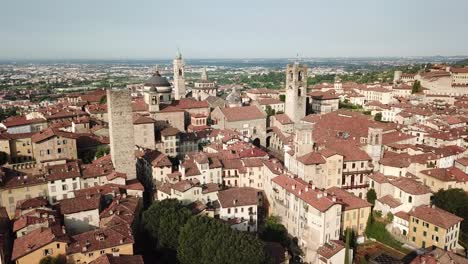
(102, 238)
(328, 95)
(27, 220)
(395, 137)
(51, 132)
(122, 209)
(242, 113)
(378, 177)
(314, 197)
(283, 119)
(435, 216)
(71, 169)
(312, 158)
(103, 190)
(403, 215)
(459, 70)
(253, 162)
(170, 131)
(121, 259)
(439, 256)
(21, 121)
(410, 186)
(190, 103)
(140, 119)
(349, 200)
(447, 174)
(390, 201)
(32, 203)
(463, 161)
(233, 197)
(35, 240)
(99, 167)
(14, 179)
(269, 101)
(182, 186)
(157, 159)
(80, 204)
(139, 105)
(328, 250)
(134, 184)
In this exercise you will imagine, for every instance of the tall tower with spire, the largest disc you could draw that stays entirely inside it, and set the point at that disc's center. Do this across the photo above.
(296, 88)
(179, 77)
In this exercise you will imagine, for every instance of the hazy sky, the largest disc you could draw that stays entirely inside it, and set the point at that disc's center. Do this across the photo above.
(101, 29)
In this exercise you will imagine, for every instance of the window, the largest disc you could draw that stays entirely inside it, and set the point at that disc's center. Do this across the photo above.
(414, 229)
(58, 245)
(47, 252)
(436, 228)
(410, 199)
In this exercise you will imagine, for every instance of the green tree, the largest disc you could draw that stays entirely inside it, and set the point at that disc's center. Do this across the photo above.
(347, 241)
(163, 221)
(101, 151)
(390, 216)
(274, 231)
(269, 112)
(3, 158)
(454, 201)
(416, 87)
(103, 99)
(282, 97)
(371, 196)
(60, 259)
(378, 117)
(208, 240)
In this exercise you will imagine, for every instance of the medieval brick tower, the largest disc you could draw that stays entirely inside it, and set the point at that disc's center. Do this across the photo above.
(296, 88)
(179, 77)
(303, 140)
(122, 142)
(374, 144)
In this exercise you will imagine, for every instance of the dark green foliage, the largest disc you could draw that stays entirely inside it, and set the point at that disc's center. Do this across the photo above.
(60, 259)
(270, 112)
(378, 117)
(103, 99)
(274, 231)
(348, 105)
(163, 221)
(454, 201)
(371, 196)
(389, 217)
(348, 237)
(282, 97)
(416, 87)
(207, 240)
(5, 113)
(102, 150)
(3, 158)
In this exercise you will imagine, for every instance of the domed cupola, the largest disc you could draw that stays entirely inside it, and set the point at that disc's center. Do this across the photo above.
(158, 83)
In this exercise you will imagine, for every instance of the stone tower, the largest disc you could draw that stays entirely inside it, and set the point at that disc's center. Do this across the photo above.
(303, 141)
(122, 141)
(204, 75)
(374, 144)
(397, 76)
(296, 88)
(179, 77)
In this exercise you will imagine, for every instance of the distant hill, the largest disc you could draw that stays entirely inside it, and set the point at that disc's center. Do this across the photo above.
(461, 63)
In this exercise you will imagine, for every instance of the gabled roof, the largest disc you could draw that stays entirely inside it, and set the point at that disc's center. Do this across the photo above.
(242, 113)
(35, 240)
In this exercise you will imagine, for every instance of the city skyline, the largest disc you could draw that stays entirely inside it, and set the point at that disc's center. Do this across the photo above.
(261, 29)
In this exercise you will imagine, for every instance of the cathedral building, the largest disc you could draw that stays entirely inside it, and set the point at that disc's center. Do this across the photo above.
(204, 88)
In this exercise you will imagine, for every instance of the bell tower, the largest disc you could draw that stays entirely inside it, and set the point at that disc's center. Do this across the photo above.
(296, 88)
(179, 77)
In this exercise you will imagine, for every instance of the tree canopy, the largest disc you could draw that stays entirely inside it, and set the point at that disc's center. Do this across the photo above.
(163, 221)
(371, 196)
(274, 231)
(454, 201)
(207, 240)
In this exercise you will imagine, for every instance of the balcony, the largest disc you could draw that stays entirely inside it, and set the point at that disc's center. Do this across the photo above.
(352, 171)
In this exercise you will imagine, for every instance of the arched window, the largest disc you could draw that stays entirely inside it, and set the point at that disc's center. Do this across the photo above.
(410, 199)
(180, 72)
(291, 75)
(299, 76)
(299, 92)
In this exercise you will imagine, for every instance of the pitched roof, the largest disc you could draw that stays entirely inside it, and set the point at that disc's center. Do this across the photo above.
(80, 204)
(314, 197)
(349, 200)
(390, 201)
(435, 216)
(312, 158)
(101, 238)
(242, 113)
(447, 174)
(242, 196)
(410, 186)
(35, 240)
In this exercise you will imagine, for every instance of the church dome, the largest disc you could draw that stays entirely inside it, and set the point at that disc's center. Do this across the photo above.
(158, 83)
